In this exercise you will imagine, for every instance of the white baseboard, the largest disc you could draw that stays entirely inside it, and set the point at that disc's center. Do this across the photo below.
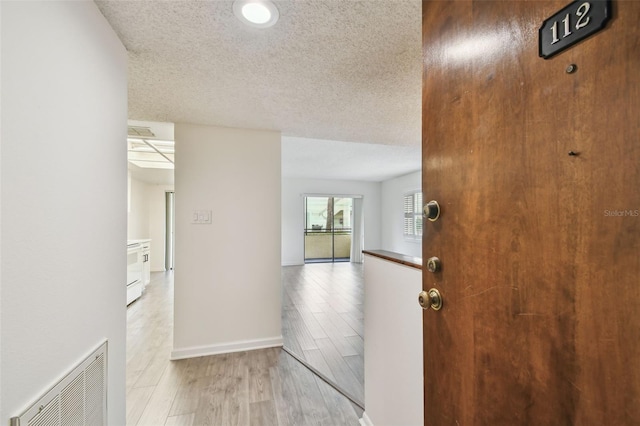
(365, 420)
(292, 263)
(224, 348)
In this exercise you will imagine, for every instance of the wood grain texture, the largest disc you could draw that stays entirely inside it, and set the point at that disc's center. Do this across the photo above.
(403, 259)
(137, 399)
(323, 321)
(183, 420)
(541, 288)
(262, 387)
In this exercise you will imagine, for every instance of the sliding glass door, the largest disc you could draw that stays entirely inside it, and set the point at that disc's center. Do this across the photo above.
(327, 230)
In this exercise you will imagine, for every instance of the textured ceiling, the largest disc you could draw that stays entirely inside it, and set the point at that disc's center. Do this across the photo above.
(328, 70)
(323, 159)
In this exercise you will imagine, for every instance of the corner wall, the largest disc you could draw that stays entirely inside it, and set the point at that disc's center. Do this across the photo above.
(64, 179)
(392, 210)
(293, 191)
(393, 371)
(227, 277)
(138, 217)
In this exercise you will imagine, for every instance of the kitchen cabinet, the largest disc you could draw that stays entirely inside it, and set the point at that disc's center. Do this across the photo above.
(138, 267)
(134, 271)
(146, 263)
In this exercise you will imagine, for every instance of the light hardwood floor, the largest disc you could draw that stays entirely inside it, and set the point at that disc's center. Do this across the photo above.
(322, 321)
(262, 387)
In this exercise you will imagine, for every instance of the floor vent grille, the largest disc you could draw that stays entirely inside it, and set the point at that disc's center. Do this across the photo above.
(80, 398)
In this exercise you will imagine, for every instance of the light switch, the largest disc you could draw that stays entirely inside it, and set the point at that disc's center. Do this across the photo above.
(201, 217)
(207, 217)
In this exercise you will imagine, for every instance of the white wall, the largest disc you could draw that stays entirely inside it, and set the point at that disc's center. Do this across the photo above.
(227, 276)
(393, 191)
(293, 191)
(393, 371)
(2, 416)
(138, 217)
(64, 179)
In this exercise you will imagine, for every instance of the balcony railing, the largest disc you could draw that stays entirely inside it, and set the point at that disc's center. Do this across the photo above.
(327, 244)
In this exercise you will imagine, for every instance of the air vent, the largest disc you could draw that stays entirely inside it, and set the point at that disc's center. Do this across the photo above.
(80, 398)
(140, 132)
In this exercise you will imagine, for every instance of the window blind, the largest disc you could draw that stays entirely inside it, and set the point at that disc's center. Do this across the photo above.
(413, 215)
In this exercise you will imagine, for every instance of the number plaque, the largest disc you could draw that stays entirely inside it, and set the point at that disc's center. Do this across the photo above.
(573, 23)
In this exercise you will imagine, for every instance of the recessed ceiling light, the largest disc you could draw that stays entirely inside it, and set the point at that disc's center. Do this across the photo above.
(256, 13)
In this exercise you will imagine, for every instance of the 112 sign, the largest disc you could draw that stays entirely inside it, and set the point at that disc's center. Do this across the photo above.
(573, 23)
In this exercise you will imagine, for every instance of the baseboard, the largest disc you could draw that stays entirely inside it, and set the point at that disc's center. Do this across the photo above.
(292, 263)
(365, 420)
(224, 348)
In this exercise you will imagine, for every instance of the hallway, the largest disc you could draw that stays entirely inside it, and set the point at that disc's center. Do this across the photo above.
(262, 387)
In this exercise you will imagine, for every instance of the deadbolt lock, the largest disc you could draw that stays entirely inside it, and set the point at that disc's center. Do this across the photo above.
(432, 210)
(430, 299)
(433, 264)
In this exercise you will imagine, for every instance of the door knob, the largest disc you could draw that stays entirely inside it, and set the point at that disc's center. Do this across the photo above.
(433, 264)
(430, 299)
(432, 210)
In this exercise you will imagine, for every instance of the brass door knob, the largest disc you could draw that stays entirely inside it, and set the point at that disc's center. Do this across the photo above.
(432, 210)
(433, 264)
(430, 299)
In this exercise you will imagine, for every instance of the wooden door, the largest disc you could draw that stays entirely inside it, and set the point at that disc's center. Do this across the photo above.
(540, 249)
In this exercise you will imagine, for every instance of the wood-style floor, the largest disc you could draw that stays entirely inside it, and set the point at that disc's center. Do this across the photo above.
(262, 387)
(322, 321)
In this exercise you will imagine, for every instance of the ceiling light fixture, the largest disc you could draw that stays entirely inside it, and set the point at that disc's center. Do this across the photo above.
(256, 13)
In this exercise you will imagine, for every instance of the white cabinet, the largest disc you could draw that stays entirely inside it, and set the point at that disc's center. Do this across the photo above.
(138, 268)
(146, 263)
(134, 271)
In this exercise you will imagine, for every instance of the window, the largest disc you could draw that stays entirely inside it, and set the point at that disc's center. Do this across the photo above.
(413, 215)
(327, 233)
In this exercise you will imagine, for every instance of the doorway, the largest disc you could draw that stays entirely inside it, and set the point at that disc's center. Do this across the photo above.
(327, 229)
